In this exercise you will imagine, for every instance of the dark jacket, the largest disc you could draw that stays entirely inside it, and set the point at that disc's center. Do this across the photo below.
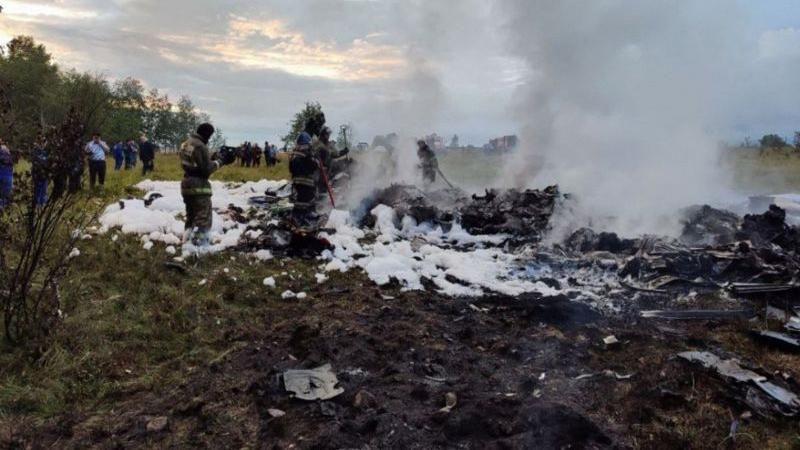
(303, 166)
(197, 167)
(147, 151)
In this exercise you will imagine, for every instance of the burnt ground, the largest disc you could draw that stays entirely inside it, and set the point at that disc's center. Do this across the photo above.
(511, 363)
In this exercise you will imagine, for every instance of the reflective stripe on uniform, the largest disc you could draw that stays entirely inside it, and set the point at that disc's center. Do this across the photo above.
(304, 181)
(196, 191)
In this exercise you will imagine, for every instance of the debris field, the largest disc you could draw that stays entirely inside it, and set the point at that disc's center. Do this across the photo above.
(441, 320)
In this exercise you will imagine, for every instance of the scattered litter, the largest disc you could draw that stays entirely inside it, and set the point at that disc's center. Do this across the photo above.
(607, 373)
(450, 401)
(148, 245)
(610, 340)
(202, 282)
(288, 294)
(157, 424)
(276, 412)
(302, 296)
(315, 384)
(321, 278)
(269, 282)
(74, 253)
(170, 250)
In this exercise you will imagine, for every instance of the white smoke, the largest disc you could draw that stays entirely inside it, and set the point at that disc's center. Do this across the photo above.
(620, 103)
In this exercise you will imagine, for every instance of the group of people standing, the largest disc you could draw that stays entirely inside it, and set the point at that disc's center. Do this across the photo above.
(41, 174)
(250, 154)
(127, 153)
(69, 178)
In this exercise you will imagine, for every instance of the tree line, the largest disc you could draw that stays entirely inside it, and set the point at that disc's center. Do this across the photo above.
(40, 93)
(772, 141)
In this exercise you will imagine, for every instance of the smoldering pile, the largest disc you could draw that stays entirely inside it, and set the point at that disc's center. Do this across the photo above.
(522, 215)
(716, 250)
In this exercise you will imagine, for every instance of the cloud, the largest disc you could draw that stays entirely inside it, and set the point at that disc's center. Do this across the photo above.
(384, 65)
(270, 44)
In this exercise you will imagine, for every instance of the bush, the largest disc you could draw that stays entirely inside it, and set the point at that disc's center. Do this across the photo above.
(36, 237)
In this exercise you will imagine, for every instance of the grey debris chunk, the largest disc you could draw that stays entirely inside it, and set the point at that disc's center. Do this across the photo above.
(314, 384)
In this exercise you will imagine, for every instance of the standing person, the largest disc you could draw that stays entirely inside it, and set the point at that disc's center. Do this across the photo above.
(198, 166)
(119, 155)
(39, 171)
(147, 152)
(242, 154)
(257, 152)
(134, 152)
(327, 152)
(96, 150)
(6, 175)
(128, 152)
(248, 154)
(429, 164)
(267, 154)
(304, 170)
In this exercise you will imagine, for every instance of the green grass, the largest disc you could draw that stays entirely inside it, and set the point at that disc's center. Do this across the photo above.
(130, 324)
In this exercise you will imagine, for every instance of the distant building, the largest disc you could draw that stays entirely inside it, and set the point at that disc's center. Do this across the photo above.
(362, 146)
(501, 144)
(454, 141)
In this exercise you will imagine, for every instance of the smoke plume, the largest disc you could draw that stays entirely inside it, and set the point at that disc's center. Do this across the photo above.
(619, 104)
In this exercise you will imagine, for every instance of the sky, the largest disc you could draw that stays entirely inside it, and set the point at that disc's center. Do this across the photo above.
(410, 66)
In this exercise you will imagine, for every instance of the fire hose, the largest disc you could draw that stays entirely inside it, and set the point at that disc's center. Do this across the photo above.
(326, 181)
(445, 178)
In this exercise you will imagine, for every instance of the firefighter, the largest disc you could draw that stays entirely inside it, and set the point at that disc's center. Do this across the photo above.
(327, 153)
(303, 166)
(427, 162)
(198, 165)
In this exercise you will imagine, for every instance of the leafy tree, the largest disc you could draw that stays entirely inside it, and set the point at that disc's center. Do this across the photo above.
(310, 118)
(772, 141)
(40, 95)
(91, 98)
(156, 117)
(797, 140)
(126, 119)
(28, 73)
(184, 121)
